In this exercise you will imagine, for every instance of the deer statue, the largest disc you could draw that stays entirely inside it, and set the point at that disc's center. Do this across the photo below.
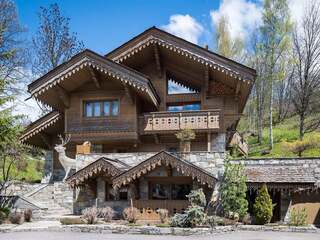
(66, 162)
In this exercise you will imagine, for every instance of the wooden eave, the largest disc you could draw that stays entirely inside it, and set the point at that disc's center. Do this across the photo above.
(92, 60)
(156, 37)
(164, 159)
(40, 125)
(102, 165)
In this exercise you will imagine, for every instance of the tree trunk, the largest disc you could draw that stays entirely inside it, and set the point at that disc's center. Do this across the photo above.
(301, 126)
(270, 118)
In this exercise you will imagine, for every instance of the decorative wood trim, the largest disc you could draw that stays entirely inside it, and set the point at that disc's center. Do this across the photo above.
(164, 159)
(158, 60)
(95, 78)
(63, 95)
(41, 124)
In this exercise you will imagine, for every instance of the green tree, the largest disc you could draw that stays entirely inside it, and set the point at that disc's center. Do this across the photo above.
(233, 189)
(226, 46)
(276, 41)
(263, 207)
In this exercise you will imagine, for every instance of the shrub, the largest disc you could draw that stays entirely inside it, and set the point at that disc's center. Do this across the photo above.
(90, 215)
(72, 221)
(214, 220)
(163, 214)
(107, 213)
(2, 217)
(197, 198)
(262, 207)
(195, 216)
(298, 217)
(233, 190)
(27, 215)
(179, 220)
(16, 218)
(131, 214)
(247, 219)
(5, 210)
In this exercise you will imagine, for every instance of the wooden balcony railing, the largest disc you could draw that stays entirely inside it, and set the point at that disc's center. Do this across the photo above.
(173, 121)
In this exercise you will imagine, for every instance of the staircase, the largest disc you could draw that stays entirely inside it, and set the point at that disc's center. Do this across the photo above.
(47, 197)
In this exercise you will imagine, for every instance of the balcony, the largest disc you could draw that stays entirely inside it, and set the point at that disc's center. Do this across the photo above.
(175, 121)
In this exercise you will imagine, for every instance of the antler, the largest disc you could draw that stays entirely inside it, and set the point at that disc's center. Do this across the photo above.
(64, 140)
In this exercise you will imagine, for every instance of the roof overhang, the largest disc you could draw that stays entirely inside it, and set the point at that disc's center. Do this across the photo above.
(164, 159)
(36, 133)
(63, 77)
(155, 36)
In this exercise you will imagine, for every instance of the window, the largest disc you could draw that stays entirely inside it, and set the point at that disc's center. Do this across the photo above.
(162, 191)
(101, 108)
(184, 107)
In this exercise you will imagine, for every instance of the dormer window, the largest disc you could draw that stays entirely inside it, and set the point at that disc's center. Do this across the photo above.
(101, 108)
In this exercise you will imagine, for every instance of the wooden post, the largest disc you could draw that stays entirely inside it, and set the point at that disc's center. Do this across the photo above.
(209, 141)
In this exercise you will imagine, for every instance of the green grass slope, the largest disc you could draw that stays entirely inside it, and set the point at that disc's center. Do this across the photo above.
(284, 131)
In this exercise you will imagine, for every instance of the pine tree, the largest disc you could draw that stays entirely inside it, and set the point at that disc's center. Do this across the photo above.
(233, 189)
(263, 207)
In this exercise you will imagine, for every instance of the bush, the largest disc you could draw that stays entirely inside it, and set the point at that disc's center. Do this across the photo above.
(163, 214)
(262, 207)
(213, 221)
(5, 210)
(16, 218)
(179, 220)
(195, 216)
(90, 215)
(27, 215)
(233, 190)
(71, 221)
(131, 214)
(2, 217)
(107, 213)
(197, 198)
(298, 217)
(247, 219)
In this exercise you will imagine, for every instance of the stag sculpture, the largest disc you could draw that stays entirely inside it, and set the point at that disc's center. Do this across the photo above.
(66, 162)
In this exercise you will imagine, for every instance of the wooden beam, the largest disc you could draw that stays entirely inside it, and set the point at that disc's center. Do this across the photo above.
(129, 93)
(95, 78)
(206, 79)
(63, 95)
(158, 60)
(238, 88)
(46, 139)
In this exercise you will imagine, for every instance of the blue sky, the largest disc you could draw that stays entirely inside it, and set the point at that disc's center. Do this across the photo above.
(104, 25)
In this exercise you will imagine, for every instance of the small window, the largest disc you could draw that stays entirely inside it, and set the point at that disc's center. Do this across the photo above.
(101, 108)
(175, 87)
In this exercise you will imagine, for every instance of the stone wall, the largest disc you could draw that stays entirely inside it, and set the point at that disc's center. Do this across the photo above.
(209, 161)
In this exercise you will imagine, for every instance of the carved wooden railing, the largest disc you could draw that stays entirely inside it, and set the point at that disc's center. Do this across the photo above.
(148, 208)
(173, 121)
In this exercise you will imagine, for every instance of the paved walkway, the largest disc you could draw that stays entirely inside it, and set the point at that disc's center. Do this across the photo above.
(94, 236)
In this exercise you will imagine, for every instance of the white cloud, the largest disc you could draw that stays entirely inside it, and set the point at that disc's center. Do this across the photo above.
(297, 9)
(184, 26)
(243, 16)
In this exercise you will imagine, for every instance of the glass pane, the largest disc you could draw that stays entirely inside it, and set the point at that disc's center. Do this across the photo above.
(178, 88)
(88, 109)
(160, 191)
(96, 107)
(106, 108)
(175, 108)
(179, 191)
(191, 107)
(115, 108)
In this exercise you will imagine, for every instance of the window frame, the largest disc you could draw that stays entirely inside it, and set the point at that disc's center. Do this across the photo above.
(101, 103)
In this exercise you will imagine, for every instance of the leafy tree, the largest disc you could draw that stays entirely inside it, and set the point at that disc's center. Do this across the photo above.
(276, 38)
(53, 43)
(226, 46)
(233, 189)
(263, 207)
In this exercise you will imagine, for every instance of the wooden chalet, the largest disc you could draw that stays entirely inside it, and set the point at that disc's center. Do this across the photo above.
(129, 104)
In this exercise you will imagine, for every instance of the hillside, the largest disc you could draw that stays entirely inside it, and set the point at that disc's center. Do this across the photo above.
(285, 131)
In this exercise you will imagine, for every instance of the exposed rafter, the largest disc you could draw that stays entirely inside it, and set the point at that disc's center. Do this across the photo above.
(157, 59)
(63, 95)
(95, 77)
(129, 93)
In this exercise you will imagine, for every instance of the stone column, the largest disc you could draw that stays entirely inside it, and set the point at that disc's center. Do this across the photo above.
(101, 190)
(48, 167)
(218, 142)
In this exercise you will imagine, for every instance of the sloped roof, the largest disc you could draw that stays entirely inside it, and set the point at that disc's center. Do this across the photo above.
(105, 165)
(167, 159)
(40, 124)
(88, 58)
(155, 36)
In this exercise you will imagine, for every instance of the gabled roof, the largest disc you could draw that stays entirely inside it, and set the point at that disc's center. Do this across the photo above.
(39, 125)
(164, 159)
(88, 58)
(155, 36)
(104, 165)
